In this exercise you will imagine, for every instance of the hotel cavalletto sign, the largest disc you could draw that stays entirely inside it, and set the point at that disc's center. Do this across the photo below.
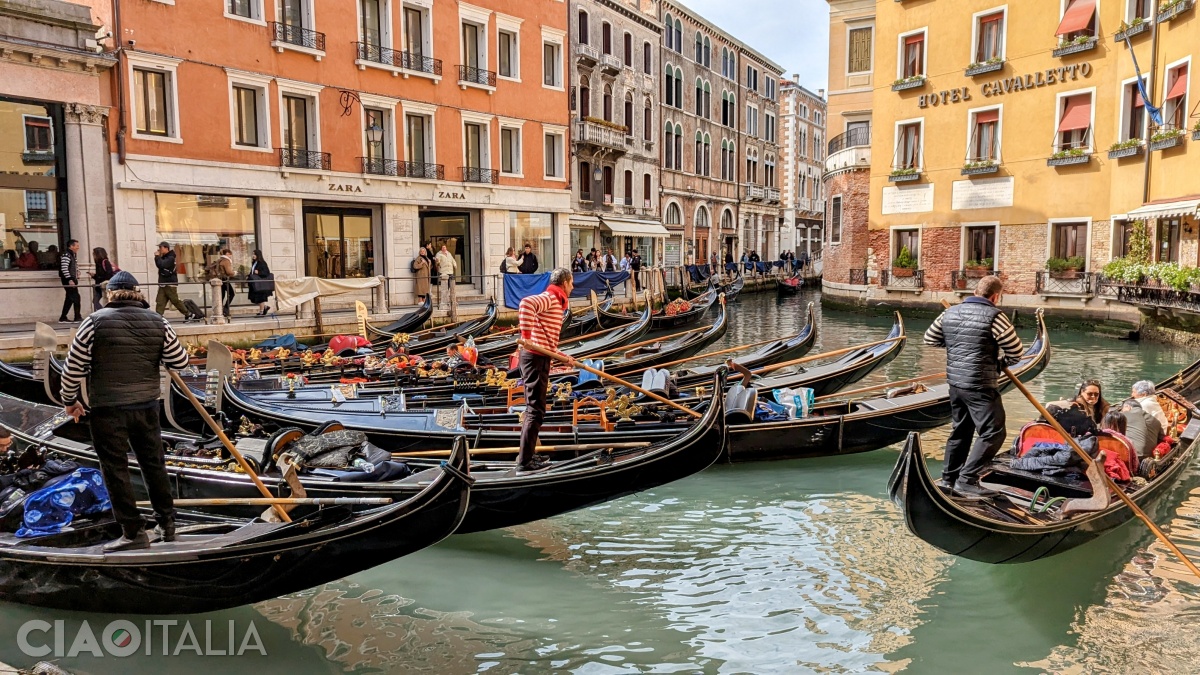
(1008, 85)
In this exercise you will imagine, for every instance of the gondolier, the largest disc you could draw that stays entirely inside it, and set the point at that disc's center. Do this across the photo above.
(118, 350)
(540, 319)
(980, 341)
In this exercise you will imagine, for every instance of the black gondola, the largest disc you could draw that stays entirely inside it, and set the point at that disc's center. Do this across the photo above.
(587, 322)
(661, 321)
(408, 323)
(789, 286)
(1006, 529)
(218, 563)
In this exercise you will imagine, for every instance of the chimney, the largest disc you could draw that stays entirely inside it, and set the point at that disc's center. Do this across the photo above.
(821, 93)
(795, 77)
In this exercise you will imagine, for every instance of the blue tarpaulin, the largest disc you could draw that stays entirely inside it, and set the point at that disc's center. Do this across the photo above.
(520, 286)
(698, 273)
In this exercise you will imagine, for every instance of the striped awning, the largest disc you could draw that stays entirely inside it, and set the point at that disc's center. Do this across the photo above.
(1174, 209)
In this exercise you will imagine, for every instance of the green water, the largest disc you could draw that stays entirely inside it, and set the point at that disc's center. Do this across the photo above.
(782, 567)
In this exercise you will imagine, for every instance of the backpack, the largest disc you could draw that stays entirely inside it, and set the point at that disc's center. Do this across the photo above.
(413, 267)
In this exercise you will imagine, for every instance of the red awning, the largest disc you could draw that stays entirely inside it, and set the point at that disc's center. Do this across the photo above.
(1180, 87)
(1078, 114)
(1077, 17)
(987, 116)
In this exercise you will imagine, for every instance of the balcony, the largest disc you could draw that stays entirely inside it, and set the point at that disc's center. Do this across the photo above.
(965, 281)
(421, 170)
(475, 174)
(772, 195)
(1169, 10)
(294, 158)
(1067, 284)
(470, 76)
(753, 193)
(395, 61)
(849, 150)
(1083, 43)
(600, 134)
(38, 157)
(588, 55)
(899, 279)
(609, 63)
(1149, 293)
(297, 38)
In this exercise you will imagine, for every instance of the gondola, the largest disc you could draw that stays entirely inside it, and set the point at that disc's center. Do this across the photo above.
(408, 323)
(217, 563)
(499, 497)
(587, 322)
(40, 380)
(734, 287)
(20, 382)
(861, 424)
(661, 321)
(790, 285)
(1018, 527)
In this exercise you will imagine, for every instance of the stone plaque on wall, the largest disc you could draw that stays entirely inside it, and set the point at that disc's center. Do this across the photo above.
(908, 199)
(992, 193)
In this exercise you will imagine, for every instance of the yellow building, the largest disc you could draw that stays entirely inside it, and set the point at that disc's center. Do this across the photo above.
(1011, 137)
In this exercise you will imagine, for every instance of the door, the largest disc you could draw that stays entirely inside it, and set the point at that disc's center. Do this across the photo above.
(470, 45)
(452, 230)
(414, 31)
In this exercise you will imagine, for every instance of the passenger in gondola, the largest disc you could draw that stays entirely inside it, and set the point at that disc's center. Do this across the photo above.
(1143, 429)
(1090, 399)
(979, 341)
(1143, 393)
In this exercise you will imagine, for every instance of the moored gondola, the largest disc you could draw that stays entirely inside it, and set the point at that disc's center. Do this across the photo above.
(408, 323)
(790, 285)
(1018, 525)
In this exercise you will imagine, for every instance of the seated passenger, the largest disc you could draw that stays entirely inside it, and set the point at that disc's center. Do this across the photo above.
(1141, 427)
(1143, 393)
(1118, 466)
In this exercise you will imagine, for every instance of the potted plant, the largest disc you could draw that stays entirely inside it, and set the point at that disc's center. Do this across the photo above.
(905, 264)
(910, 82)
(991, 65)
(1065, 268)
(901, 175)
(980, 166)
(977, 269)
(1126, 148)
(1166, 138)
(1196, 132)
(1069, 156)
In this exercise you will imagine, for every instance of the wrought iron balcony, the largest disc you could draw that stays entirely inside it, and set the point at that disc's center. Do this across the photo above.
(476, 76)
(1069, 283)
(303, 159)
(298, 36)
(894, 279)
(422, 170)
(858, 277)
(1149, 293)
(397, 59)
(475, 174)
(594, 133)
(853, 138)
(379, 166)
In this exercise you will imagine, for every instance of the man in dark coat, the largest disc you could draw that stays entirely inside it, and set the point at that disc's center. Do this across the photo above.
(980, 342)
(68, 274)
(529, 261)
(168, 276)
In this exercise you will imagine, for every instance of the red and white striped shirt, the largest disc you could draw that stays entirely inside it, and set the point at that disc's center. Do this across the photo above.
(540, 317)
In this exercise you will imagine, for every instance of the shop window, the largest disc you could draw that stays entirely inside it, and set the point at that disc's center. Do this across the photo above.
(835, 220)
(552, 156)
(912, 51)
(537, 230)
(198, 227)
(908, 146)
(989, 37)
(980, 242)
(32, 186)
(508, 55)
(1074, 123)
(1078, 20)
(338, 243)
(859, 55)
(1175, 110)
(1133, 112)
(1168, 240)
(1069, 240)
(985, 136)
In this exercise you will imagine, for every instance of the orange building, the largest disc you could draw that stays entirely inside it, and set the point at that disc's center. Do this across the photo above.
(338, 142)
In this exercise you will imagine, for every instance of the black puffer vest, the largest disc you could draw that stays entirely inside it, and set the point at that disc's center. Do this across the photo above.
(126, 352)
(971, 351)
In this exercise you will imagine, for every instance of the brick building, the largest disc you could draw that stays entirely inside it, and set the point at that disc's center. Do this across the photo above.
(802, 151)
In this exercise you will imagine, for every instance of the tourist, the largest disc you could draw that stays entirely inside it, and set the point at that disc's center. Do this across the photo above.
(104, 272)
(225, 272)
(580, 262)
(1142, 428)
(609, 262)
(68, 274)
(1090, 399)
(6, 442)
(594, 261)
(511, 264)
(979, 341)
(29, 259)
(625, 263)
(421, 274)
(1143, 393)
(540, 320)
(262, 283)
(118, 350)
(529, 261)
(446, 266)
(168, 279)
(635, 267)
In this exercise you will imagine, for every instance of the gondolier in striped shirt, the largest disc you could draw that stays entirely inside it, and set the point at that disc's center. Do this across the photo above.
(541, 319)
(980, 342)
(118, 350)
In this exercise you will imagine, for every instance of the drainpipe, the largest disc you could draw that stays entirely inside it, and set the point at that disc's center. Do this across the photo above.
(122, 124)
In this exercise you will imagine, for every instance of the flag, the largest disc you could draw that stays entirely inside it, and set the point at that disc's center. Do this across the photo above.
(1154, 111)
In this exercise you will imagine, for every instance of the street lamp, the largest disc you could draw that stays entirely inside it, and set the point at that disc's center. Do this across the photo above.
(374, 133)
(597, 174)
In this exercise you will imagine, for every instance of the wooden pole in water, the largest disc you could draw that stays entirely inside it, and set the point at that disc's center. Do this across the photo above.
(212, 424)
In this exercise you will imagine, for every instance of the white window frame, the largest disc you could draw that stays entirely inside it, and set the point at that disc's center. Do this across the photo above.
(385, 22)
(558, 38)
(426, 9)
(257, 13)
(485, 149)
(869, 25)
(511, 25)
(772, 125)
(1058, 112)
(752, 120)
(971, 115)
(1152, 6)
(481, 18)
(261, 84)
(168, 66)
(1002, 9)
(517, 126)
(841, 219)
(561, 134)
(429, 112)
(924, 33)
(25, 135)
(896, 140)
(893, 251)
(310, 12)
(1124, 112)
(1187, 92)
(1087, 251)
(313, 93)
(388, 106)
(962, 237)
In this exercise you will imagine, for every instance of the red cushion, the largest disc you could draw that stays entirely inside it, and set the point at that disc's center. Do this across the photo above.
(1034, 433)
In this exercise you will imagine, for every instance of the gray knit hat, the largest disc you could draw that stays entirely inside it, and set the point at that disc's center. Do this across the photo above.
(123, 281)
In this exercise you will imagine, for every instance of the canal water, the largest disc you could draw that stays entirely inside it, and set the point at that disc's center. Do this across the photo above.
(782, 567)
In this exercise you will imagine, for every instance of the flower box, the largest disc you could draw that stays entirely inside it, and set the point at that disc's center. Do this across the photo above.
(904, 272)
(1131, 151)
(1170, 11)
(981, 68)
(976, 272)
(1069, 159)
(1165, 143)
(1076, 47)
(1196, 135)
(903, 177)
(1133, 29)
(980, 169)
(909, 83)
(1069, 273)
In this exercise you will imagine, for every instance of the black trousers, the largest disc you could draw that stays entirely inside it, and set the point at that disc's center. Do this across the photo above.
(973, 410)
(535, 371)
(116, 431)
(226, 297)
(71, 301)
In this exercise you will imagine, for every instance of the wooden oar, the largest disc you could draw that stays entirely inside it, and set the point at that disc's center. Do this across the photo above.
(603, 375)
(212, 424)
(897, 383)
(513, 449)
(1108, 481)
(825, 355)
(643, 343)
(282, 501)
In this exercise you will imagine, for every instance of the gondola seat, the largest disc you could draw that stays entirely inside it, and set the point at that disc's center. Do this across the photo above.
(1040, 432)
(740, 404)
(657, 381)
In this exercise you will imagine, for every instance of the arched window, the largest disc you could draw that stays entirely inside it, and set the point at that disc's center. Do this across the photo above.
(724, 62)
(674, 216)
(670, 85)
(646, 58)
(724, 157)
(585, 98)
(699, 168)
(678, 36)
(606, 37)
(707, 53)
(726, 220)
(583, 27)
(669, 34)
(702, 217)
(679, 88)
(679, 147)
(699, 98)
(707, 155)
(647, 121)
(628, 188)
(628, 50)
(628, 120)
(707, 101)
(699, 48)
(608, 103)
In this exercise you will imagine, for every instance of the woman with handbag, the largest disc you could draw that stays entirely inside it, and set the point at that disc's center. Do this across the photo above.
(262, 283)
(104, 272)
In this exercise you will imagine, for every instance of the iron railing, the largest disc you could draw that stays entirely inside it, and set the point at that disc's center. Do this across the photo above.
(1149, 294)
(475, 174)
(473, 75)
(298, 35)
(888, 279)
(422, 170)
(1078, 283)
(379, 166)
(858, 277)
(398, 59)
(852, 138)
(303, 159)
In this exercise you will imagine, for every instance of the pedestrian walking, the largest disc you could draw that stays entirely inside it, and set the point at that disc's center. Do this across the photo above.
(262, 283)
(980, 342)
(104, 272)
(118, 351)
(540, 320)
(68, 274)
(168, 279)
(421, 274)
